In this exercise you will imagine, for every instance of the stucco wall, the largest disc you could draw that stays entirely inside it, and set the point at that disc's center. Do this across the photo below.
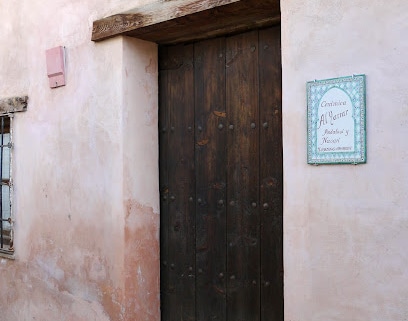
(345, 226)
(86, 194)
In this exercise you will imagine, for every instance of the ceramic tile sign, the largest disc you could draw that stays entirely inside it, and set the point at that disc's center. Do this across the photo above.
(336, 121)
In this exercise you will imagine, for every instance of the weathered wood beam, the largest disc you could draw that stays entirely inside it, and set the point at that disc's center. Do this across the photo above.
(150, 14)
(228, 19)
(13, 104)
(183, 20)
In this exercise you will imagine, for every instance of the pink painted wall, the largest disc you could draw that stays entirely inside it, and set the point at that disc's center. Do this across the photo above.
(345, 226)
(86, 173)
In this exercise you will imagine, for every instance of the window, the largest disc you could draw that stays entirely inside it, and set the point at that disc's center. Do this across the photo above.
(6, 214)
(8, 106)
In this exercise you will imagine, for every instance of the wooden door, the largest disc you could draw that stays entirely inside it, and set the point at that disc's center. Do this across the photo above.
(221, 179)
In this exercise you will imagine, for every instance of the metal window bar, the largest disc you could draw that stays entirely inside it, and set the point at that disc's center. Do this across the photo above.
(6, 215)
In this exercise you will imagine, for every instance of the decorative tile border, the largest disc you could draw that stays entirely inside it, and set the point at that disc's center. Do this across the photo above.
(336, 121)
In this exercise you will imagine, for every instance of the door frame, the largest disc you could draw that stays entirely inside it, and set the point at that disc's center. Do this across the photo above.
(189, 20)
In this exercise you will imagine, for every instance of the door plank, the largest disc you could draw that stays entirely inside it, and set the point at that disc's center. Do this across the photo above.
(270, 98)
(180, 288)
(210, 156)
(243, 177)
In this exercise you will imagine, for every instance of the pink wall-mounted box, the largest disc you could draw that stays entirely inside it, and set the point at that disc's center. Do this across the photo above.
(56, 66)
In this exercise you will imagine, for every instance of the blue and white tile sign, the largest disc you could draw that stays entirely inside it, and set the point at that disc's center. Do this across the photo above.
(336, 121)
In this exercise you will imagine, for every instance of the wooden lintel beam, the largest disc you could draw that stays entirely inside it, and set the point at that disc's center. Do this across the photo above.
(229, 19)
(151, 14)
(13, 104)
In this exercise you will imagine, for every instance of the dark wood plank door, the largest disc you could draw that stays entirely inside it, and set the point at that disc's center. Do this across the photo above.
(221, 179)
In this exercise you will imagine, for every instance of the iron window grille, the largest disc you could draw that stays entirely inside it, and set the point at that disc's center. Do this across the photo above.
(6, 212)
